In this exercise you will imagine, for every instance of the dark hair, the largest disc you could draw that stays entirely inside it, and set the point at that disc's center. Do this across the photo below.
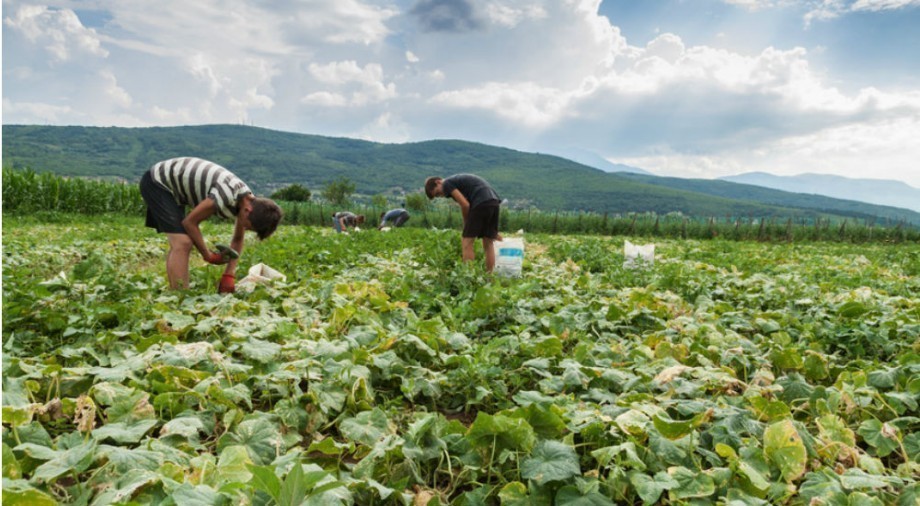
(382, 215)
(360, 218)
(430, 185)
(264, 217)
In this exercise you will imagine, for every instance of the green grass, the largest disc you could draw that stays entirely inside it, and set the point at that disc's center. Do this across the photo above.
(385, 371)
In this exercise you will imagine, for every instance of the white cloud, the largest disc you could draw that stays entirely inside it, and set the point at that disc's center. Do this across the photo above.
(758, 4)
(882, 149)
(880, 5)
(508, 14)
(528, 74)
(830, 9)
(42, 113)
(118, 95)
(59, 31)
(346, 71)
(325, 99)
(367, 88)
(385, 128)
(525, 103)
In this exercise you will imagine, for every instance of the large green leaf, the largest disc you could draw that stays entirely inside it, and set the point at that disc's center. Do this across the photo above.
(502, 432)
(633, 422)
(265, 480)
(125, 459)
(11, 467)
(570, 495)
(605, 456)
(514, 494)
(198, 495)
(260, 351)
(126, 487)
(122, 432)
(546, 421)
(550, 461)
(76, 460)
(690, 484)
(650, 488)
(232, 465)
(676, 429)
(881, 436)
(185, 426)
(783, 447)
(367, 427)
(21, 493)
(260, 437)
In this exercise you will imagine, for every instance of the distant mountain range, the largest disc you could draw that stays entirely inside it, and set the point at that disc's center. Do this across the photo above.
(875, 191)
(592, 159)
(268, 159)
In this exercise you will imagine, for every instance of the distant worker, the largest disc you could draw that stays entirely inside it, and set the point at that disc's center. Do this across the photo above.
(479, 205)
(344, 219)
(173, 185)
(398, 217)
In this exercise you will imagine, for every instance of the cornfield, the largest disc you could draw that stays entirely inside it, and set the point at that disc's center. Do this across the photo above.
(27, 191)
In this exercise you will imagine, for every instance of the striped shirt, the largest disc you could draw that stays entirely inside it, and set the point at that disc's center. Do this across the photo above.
(191, 180)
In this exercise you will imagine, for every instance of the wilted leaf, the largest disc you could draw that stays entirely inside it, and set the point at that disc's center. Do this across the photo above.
(783, 447)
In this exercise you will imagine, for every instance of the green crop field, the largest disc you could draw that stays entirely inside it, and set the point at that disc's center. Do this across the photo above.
(384, 371)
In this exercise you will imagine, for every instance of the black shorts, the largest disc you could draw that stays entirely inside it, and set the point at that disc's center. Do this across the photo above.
(163, 213)
(482, 221)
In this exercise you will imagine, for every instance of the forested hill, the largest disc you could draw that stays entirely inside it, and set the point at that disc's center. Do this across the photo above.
(268, 159)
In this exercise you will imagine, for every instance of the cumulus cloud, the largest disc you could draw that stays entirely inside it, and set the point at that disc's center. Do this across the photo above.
(830, 9)
(386, 127)
(528, 74)
(366, 84)
(881, 5)
(508, 14)
(446, 15)
(58, 31)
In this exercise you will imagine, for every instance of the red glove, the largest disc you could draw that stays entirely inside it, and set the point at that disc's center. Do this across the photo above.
(227, 284)
(215, 258)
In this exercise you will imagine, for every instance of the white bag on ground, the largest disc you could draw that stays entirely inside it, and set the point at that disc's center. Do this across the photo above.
(637, 254)
(259, 274)
(509, 256)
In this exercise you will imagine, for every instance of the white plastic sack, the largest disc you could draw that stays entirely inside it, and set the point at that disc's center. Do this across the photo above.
(637, 255)
(509, 256)
(259, 274)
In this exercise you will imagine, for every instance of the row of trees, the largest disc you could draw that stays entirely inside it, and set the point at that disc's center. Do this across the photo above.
(340, 191)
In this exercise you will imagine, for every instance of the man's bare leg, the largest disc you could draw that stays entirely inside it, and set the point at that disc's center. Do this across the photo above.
(468, 252)
(180, 246)
(488, 247)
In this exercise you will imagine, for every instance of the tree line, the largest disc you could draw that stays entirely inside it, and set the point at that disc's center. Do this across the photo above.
(29, 192)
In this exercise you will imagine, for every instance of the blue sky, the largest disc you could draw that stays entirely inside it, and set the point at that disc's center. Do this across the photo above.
(702, 88)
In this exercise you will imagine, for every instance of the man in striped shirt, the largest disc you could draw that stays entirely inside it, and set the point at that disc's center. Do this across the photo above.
(173, 185)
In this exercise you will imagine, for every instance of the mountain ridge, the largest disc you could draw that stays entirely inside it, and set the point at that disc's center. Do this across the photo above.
(268, 159)
(888, 192)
